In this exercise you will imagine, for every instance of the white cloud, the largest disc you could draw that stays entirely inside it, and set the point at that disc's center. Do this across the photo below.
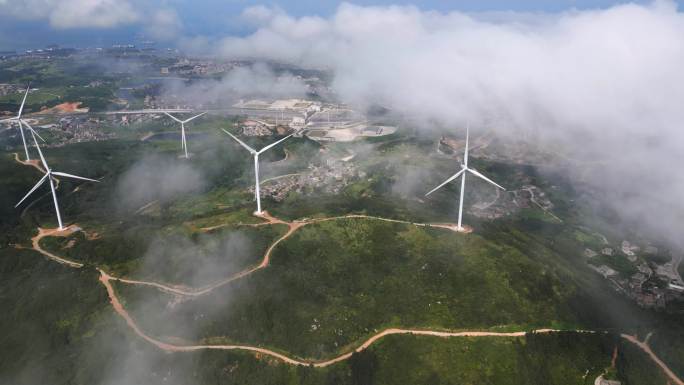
(256, 81)
(580, 68)
(164, 24)
(65, 14)
(261, 14)
(92, 13)
(28, 9)
(603, 82)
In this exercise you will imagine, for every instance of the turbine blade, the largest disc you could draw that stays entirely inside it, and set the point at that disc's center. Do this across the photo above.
(40, 152)
(477, 174)
(7, 120)
(31, 128)
(273, 144)
(250, 149)
(40, 182)
(21, 108)
(194, 117)
(172, 117)
(73, 176)
(446, 181)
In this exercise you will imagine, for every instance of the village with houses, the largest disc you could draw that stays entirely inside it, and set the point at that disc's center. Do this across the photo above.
(645, 274)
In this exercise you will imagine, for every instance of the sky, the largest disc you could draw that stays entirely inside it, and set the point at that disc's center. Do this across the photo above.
(36, 23)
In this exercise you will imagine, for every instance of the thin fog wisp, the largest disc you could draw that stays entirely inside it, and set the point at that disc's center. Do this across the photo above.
(157, 179)
(257, 80)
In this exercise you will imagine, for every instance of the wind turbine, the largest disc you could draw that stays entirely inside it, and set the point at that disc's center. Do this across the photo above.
(462, 174)
(184, 145)
(21, 121)
(49, 176)
(256, 164)
(168, 113)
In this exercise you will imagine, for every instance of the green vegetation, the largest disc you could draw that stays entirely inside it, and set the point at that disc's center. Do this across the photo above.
(51, 316)
(589, 239)
(660, 258)
(617, 262)
(15, 181)
(635, 369)
(333, 284)
(565, 358)
(58, 81)
(328, 287)
(176, 257)
(666, 343)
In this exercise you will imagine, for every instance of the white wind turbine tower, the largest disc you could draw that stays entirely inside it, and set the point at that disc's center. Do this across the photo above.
(462, 174)
(168, 113)
(49, 176)
(184, 145)
(17, 119)
(256, 164)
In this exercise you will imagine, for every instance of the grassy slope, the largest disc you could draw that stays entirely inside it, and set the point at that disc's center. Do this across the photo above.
(125, 251)
(668, 343)
(60, 330)
(58, 80)
(351, 277)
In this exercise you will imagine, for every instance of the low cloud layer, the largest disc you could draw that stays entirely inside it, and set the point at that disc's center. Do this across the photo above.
(156, 19)
(64, 14)
(616, 69)
(602, 86)
(164, 24)
(255, 81)
(197, 261)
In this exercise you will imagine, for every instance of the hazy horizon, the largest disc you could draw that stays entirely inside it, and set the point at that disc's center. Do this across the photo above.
(34, 24)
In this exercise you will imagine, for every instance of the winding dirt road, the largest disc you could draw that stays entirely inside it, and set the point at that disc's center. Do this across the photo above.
(647, 349)
(106, 279)
(194, 292)
(118, 307)
(42, 233)
(447, 226)
(33, 163)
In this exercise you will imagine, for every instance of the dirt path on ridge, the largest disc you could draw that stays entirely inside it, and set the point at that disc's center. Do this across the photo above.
(292, 227)
(118, 307)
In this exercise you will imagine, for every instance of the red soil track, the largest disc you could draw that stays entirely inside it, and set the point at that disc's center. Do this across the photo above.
(118, 307)
(106, 279)
(33, 163)
(35, 242)
(647, 349)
